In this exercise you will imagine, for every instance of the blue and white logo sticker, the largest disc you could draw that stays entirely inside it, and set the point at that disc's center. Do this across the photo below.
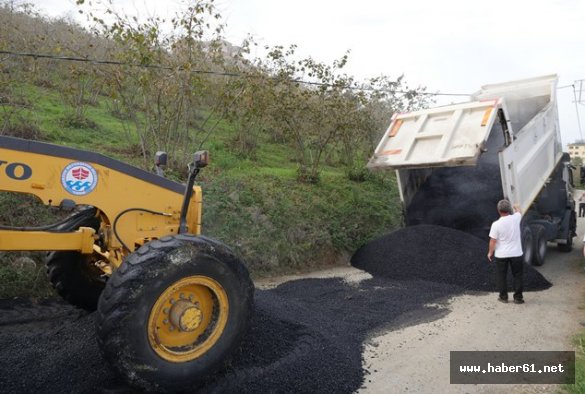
(79, 178)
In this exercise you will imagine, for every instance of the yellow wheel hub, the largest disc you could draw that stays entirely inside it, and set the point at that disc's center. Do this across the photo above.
(188, 318)
(186, 315)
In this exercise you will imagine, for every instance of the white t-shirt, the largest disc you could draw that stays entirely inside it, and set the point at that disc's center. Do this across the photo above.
(506, 232)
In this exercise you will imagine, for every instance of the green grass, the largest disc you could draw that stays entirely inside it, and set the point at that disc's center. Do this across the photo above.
(23, 274)
(279, 225)
(579, 386)
(47, 110)
(579, 342)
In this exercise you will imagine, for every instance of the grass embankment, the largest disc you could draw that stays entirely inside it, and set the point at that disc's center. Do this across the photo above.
(256, 206)
(579, 341)
(579, 386)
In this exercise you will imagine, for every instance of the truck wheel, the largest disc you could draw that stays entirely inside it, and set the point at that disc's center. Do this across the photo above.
(567, 247)
(174, 312)
(539, 244)
(75, 278)
(73, 275)
(527, 245)
(571, 232)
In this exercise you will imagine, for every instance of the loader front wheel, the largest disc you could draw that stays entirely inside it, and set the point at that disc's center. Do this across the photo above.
(73, 275)
(75, 278)
(174, 312)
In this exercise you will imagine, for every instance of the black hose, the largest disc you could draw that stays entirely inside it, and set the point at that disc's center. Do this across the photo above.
(187, 200)
(125, 211)
(62, 226)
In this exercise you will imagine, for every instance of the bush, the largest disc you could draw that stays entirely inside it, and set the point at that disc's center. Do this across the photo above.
(72, 121)
(307, 175)
(27, 131)
(23, 275)
(358, 174)
(25, 210)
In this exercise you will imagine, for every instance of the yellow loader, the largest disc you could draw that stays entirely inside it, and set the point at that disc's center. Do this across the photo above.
(172, 305)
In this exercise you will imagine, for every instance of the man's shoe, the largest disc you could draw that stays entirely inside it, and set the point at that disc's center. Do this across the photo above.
(518, 301)
(504, 300)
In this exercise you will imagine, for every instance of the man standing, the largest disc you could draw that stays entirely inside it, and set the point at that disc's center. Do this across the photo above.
(506, 246)
(582, 205)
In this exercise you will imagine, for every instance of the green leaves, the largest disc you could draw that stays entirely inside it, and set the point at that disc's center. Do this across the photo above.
(316, 108)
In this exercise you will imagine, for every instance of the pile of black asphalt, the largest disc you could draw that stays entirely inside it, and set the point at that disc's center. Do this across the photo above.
(438, 254)
(306, 336)
(462, 198)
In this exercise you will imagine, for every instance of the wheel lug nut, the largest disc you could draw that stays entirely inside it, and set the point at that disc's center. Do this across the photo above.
(166, 321)
(182, 296)
(166, 311)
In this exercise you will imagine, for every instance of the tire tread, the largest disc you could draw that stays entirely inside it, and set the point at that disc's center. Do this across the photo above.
(116, 301)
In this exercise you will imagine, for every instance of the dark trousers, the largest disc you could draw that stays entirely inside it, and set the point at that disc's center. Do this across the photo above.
(581, 209)
(517, 266)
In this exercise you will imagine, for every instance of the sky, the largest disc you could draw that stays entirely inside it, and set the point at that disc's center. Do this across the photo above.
(449, 46)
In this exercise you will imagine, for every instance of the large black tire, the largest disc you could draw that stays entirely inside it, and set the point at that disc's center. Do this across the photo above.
(75, 278)
(527, 245)
(132, 296)
(567, 247)
(73, 275)
(539, 244)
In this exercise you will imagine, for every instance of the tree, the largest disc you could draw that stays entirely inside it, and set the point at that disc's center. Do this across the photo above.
(319, 110)
(160, 88)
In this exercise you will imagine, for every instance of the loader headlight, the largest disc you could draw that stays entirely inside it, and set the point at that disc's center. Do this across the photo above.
(201, 158)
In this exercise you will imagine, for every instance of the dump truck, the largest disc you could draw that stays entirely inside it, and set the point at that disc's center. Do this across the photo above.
(454, 163)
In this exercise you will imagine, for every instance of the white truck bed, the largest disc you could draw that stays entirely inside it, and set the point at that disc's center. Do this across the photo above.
(437, 137)
(456, 135)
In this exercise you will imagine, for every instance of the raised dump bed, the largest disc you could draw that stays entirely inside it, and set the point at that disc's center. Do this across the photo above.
(454, 163)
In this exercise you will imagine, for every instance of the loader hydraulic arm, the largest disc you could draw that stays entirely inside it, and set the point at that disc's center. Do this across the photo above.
(81, 240)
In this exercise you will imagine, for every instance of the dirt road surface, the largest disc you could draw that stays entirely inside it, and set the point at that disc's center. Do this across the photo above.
(338, 330)
(416, 358)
